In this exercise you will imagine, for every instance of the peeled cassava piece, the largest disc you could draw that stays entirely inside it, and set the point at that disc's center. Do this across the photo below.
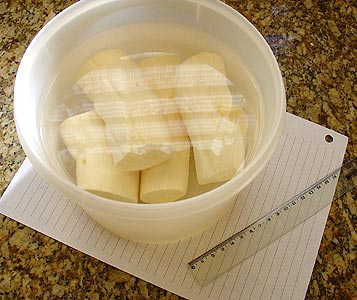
(137, 130)
(239, 115)
(160, 71)
(194, 188)
(85, 138)
(167, 181)
(206, 107)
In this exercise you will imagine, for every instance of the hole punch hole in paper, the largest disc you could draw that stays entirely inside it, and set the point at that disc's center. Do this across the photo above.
(328, 138)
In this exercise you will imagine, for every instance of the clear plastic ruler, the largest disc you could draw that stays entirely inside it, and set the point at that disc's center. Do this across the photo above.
(258, 235)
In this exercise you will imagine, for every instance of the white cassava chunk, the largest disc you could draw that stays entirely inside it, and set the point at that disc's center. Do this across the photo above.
(167, 181)
(85, 138)
(194, 188)
(238, 115)
(133, 114)
(97, 174)
(160, 72)
(203, 77)
(224, 157)
(205, 106)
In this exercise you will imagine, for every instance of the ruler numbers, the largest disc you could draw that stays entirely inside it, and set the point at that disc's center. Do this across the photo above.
(272, 226)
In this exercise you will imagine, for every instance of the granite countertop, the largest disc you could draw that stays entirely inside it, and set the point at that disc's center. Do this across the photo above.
(315, 43)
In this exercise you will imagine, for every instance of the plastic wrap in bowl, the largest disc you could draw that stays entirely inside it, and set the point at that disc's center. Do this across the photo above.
(52, 87)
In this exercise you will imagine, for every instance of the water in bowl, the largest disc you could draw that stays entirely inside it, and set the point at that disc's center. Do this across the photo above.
(141, 41)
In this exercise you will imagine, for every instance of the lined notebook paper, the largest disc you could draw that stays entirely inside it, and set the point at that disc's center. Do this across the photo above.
(280, 271)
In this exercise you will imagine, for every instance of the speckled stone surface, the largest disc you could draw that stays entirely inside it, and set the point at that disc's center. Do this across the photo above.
(315, 43)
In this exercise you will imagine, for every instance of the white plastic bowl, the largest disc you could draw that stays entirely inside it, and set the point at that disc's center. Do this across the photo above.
(147, 222)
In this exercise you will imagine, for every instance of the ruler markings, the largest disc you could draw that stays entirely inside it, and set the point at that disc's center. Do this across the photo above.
(302, 228)
(307, 180)
(292, 172)
(279, 158)
(224, 256)
(253, 238)
(294, 223)
(313, 222)
(295, 191)
(275, 161)
(242, 237)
